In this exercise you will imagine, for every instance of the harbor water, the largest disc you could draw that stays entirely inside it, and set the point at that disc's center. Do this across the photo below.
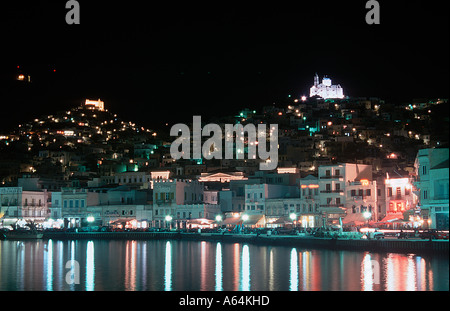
(177, 265)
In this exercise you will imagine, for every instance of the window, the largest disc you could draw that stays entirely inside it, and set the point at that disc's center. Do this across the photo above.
(368, 192)
(378, 192)
(338, 187)
(338, 201)
(56, 202)
(328, 200)
(424, 170)
(70, 203)
(328, 187)
(260, 195)
(353, 192)
(82, 203)
(337, 172)
(65, 203)
(407, 191)
(327, 173)
(425, 194)
(389, 191)
(360, 192)
(77, 202)
(398, 191)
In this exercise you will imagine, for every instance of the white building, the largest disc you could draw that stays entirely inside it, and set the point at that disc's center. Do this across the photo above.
(432, 180)
(325, 89)
(18, 204)
(332, 187)
(180, 203)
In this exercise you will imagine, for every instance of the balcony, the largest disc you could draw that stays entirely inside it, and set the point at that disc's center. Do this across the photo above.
(331, 176)
(164, 202)
(332, 191)
(332, 205)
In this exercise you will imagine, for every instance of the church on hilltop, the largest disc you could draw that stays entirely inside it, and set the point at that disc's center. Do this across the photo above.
(325, 89)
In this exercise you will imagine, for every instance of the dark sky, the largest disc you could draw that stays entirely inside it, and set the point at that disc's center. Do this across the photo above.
(153, 63)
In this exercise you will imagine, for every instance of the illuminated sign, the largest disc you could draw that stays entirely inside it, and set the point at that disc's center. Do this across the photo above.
(364, 182)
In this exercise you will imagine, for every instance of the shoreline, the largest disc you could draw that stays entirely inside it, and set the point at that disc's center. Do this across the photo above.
(382, 245)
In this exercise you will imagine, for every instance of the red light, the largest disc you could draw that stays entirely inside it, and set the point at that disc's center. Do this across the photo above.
(18, 66)
(54, 70)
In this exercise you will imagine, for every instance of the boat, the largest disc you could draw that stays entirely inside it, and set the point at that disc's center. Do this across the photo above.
(23, 235)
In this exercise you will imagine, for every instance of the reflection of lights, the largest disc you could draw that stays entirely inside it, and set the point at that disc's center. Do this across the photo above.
(168, 268)
(90, 271)
(245, 268)
(293, 282)
(218, 267)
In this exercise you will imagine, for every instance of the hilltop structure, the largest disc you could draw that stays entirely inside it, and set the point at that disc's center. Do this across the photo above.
(325, 89)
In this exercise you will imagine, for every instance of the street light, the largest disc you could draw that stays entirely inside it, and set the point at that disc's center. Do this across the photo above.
(293, 217)
(367, 216)
(168, 218)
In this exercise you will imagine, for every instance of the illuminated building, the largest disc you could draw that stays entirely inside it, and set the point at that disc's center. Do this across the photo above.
(325, 89)
(333, 180)
(432, 181)
(361, 197)
(18, 204)
(95, 104)
(183, 201)
(399, 197)
(221, 177)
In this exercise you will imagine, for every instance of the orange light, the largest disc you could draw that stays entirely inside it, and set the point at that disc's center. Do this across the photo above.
(313, 186)
(364, 182)
(304, 186)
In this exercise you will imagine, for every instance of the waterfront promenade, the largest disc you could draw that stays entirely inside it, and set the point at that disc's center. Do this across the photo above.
(382, 245)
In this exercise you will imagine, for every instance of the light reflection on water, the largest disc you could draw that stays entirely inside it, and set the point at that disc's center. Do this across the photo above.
(191, 265)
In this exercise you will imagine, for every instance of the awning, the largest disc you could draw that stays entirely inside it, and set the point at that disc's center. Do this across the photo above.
(232, 221)
(354, 218)
(200, 221)
(282, 220)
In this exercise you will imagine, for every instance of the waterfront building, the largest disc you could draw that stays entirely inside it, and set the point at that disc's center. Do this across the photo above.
(69, 205)
(361, 202)
(399, 197)
(180, 203)
(332, 187)
(21, 205)
(257, 194)
(432, 182)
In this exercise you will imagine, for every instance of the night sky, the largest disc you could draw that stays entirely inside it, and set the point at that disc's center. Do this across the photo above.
(156, 63)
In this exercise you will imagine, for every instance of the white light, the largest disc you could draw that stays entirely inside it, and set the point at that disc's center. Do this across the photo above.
(218, 218)
(244, 217)
(168, 218)
(91, 219)
(367, 215)
(292, 216)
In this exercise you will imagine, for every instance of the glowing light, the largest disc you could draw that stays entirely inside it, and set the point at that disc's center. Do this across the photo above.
(303, 98)
(364, 182)
(91, 219)
(244, 217)
(21, 77)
